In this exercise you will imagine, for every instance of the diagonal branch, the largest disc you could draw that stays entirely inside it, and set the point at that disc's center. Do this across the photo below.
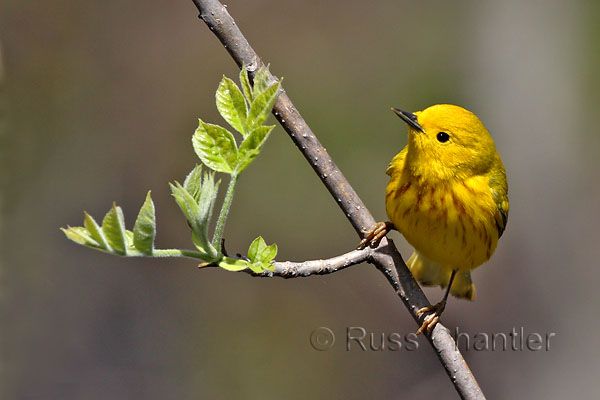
(386, 258)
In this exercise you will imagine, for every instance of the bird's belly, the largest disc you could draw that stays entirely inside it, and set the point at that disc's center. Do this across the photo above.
(450, 227)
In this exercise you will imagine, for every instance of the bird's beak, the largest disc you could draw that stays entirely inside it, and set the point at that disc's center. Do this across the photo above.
(409, 118)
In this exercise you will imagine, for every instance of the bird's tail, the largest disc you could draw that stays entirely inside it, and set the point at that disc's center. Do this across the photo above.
(429, 273)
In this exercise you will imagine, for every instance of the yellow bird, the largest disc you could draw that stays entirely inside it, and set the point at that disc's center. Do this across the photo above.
(448, 196)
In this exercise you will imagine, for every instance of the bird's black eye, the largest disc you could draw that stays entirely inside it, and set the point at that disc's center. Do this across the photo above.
(443, 137)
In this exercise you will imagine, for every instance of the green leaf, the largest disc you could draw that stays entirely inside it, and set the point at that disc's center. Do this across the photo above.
(113, 227)
(193, 182)
(232, 105)
(95, 232)
(256, 247)
(200, 245)
(233, 264)
(129, 239)
(144, 229)
(80, 235)
(185, 201)
(73, 234)
(189, 208)
(261, 81)
(262, 106)
(261, 255)
(268, 266)
(198, 212)
(257, 268)
(268, 253)
(246, 83)
(216, 147)
(252, 145)
(206, 201)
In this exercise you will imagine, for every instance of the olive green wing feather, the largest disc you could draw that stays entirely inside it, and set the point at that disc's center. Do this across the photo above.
(499, 188)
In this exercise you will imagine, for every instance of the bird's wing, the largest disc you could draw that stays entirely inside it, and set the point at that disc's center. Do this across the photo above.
(499, 189)
(397, 163)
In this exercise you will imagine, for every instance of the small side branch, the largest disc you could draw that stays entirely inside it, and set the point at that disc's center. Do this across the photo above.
(289, 269)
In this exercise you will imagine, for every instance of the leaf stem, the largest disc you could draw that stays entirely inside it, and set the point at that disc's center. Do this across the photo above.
(220, 227)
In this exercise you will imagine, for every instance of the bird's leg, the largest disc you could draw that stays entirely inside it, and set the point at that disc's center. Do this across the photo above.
(432, 319)
(374, 235)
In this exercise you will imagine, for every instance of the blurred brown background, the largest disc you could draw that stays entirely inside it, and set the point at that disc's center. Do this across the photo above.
(98, 103)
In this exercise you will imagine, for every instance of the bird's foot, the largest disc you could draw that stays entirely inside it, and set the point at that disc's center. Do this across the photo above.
(431, 320)
(374, 235)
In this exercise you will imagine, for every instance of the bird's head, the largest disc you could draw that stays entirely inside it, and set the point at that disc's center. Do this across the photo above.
(447, 141)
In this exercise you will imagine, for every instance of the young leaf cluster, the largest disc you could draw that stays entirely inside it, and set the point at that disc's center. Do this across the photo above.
(246, 111)
(260, 257)
(196, 199)
(112, 237)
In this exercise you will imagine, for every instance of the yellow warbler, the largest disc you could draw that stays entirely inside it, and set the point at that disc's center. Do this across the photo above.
(448, 196)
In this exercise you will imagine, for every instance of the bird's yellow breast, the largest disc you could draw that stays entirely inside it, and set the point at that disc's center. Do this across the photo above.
(452, 223)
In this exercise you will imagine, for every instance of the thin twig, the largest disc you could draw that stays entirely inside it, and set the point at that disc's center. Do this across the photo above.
(386, 258)
(289, 269)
